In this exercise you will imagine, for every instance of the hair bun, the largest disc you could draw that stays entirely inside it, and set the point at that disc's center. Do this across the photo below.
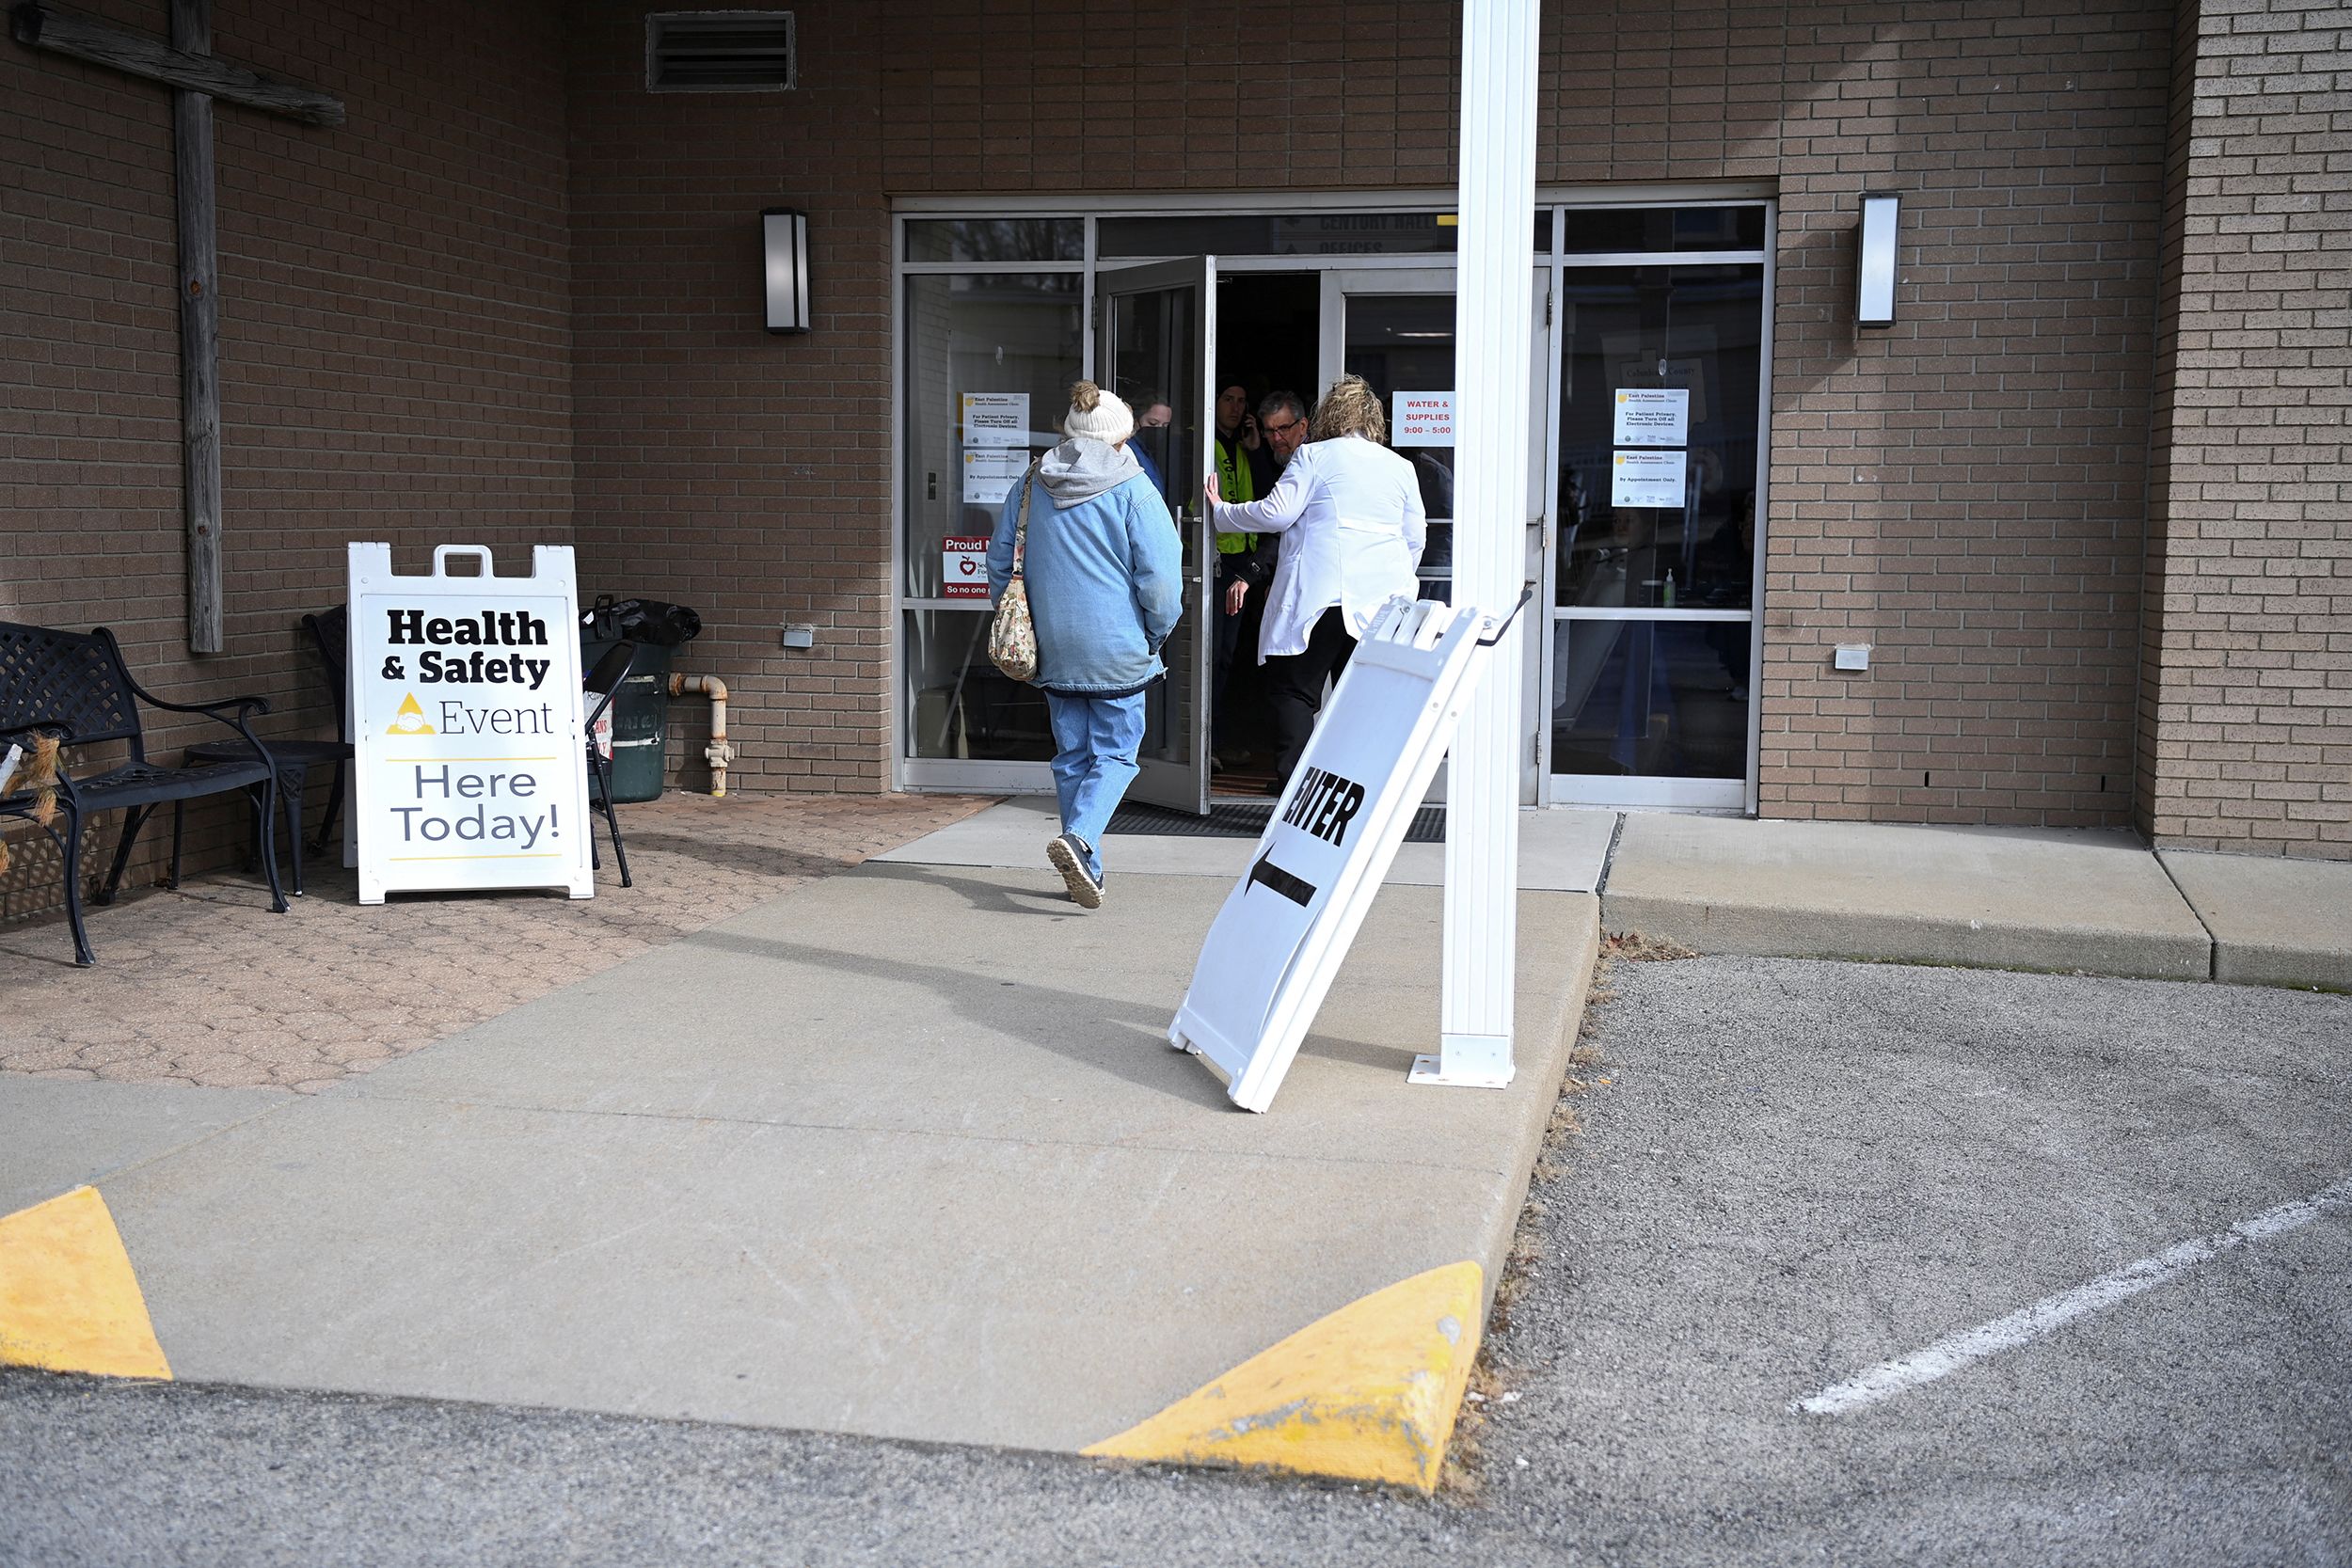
(1098, 415)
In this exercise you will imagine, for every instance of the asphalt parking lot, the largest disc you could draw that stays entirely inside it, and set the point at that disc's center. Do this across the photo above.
(2098, 1229)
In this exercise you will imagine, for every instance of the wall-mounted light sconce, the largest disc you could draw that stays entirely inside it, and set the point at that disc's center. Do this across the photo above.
(785, 234)
(1874, 295)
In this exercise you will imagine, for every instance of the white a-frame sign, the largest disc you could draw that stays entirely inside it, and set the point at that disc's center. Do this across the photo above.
(465, 712)
(1279, 940)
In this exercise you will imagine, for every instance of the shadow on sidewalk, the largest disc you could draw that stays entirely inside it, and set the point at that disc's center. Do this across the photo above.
(1132, 1044)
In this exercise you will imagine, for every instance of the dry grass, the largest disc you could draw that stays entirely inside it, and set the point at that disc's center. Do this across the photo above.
(1465, 1456)
(1494, 1375)
(1634, 947)
(1621, 947)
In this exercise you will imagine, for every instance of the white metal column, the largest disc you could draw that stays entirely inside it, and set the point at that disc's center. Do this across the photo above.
(1491, 331)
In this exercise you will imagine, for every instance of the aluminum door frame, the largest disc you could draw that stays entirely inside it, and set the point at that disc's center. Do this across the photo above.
(1655, 792)
(1341, 280)
(1177, 786)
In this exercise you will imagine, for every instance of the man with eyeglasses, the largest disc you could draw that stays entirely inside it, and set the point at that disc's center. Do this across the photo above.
(1245, 560)
(1283, 420)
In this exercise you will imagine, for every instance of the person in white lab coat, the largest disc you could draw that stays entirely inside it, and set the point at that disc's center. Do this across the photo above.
(1348, 516)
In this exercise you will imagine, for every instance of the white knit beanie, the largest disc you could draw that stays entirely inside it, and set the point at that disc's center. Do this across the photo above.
(1098, 415)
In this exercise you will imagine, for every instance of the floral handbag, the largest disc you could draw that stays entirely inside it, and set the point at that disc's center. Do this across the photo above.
(1013, 635)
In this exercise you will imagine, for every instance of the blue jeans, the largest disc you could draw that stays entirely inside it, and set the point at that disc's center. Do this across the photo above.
(1095, 741)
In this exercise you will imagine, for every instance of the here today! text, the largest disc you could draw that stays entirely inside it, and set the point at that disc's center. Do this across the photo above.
(491, 807)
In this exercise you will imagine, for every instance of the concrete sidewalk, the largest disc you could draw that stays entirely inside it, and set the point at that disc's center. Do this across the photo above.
(2005, 898)
(901, 1151)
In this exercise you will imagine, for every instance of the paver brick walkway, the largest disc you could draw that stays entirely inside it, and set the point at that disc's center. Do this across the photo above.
(231, 995)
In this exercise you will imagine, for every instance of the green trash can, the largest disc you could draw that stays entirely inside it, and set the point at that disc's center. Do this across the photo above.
(641, 718)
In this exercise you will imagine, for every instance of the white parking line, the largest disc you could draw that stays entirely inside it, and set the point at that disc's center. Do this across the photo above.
(1949, 1354)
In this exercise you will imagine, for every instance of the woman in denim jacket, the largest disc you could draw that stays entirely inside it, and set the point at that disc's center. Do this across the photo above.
(1104, 568)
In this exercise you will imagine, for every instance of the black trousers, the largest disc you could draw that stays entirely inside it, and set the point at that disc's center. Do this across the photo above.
(1293, 687)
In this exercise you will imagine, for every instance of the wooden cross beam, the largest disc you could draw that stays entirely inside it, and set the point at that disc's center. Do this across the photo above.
(186, 65)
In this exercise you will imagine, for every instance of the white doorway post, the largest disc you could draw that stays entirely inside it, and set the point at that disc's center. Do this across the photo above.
(1497, 220)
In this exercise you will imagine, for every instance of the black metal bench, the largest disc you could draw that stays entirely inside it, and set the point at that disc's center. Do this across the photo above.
(330, 634)
(75, 687)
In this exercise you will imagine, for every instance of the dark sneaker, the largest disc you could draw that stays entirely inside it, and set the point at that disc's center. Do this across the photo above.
(1068, 857)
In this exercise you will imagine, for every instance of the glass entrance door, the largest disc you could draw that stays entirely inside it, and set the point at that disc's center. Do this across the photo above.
(1651, 663)
(1154, 330)
(1641, 691)
(1395, 328)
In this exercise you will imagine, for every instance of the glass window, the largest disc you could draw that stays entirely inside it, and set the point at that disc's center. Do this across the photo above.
(1279, 234)
(960, 706)
(1293, 235)
(1007, 346)
(1014, 239)
(1685, 536)
(1155, 339)
(1009, 340)
(1402, 344)
(1601, 231)
(1655, 699)
(1152, 361)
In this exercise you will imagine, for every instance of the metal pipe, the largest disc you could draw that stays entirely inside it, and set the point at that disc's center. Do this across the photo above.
(719, 753)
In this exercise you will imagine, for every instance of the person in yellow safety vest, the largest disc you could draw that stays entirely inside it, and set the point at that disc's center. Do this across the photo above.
(1243, 562)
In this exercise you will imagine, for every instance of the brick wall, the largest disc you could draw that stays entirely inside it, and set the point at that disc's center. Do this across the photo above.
(2245, 718)
(394, 337)
(748, 475)
(2154, 605)
(1964, 490)
(743, 474)
(518, 297)
(1054, 95)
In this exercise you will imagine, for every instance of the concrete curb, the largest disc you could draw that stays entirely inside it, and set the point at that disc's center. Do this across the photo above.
(1371, 1392)
(945, 1180)
(2274, 922)
(1368, 1393)
(1991, 897)
(1793, 932)
(69, 1301)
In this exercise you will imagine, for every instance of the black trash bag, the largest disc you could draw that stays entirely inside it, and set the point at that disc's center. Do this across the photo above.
(666, 625)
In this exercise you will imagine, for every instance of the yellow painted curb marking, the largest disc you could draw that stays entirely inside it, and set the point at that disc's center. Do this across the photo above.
(1369, 1393)
(69, 1299)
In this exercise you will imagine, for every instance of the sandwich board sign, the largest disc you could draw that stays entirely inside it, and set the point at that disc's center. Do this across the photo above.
(1277, 943)
(470, 770)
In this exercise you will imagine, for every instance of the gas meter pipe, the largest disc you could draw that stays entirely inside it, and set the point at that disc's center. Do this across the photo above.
(717, 752)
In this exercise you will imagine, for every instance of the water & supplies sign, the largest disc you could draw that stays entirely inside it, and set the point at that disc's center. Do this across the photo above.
(466, 716)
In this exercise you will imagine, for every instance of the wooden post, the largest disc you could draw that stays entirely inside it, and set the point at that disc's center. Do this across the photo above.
(187, 66)
(199, 330)
(37, 25)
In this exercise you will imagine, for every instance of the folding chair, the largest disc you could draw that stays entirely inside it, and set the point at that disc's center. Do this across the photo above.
(598, 687)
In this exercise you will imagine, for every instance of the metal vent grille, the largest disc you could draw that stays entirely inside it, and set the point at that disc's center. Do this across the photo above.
(720, 52)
